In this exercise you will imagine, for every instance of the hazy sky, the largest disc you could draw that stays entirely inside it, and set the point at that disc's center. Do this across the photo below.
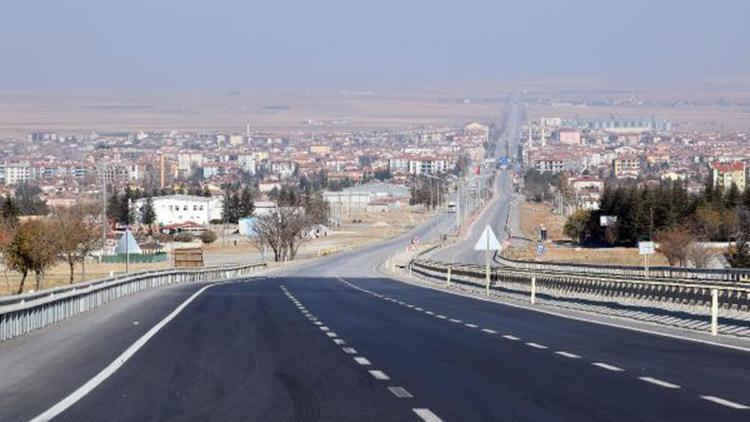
(235, 44)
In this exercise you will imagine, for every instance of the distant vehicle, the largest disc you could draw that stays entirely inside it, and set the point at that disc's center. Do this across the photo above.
(452, 207)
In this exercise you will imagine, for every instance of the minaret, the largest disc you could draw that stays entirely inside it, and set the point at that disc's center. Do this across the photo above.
(531, 140)
(544, 141)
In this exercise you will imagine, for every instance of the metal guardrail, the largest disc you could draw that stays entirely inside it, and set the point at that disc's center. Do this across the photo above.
(21, 314)
(709, 274)
(730, 300)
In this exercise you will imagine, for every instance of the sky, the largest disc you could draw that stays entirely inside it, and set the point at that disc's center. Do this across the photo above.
(193, 45)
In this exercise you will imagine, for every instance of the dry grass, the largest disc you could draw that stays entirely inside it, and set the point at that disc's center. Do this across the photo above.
(534, 215)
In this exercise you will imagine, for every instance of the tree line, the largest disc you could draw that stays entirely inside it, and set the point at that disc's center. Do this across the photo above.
(33, 246)
(664, 213)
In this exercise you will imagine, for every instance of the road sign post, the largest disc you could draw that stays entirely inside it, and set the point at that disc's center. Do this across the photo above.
(487, 242)
(646, 249)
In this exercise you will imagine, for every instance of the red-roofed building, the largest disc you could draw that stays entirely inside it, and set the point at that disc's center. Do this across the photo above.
(725, 174)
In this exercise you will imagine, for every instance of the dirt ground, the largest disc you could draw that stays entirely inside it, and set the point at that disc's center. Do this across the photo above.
(560, 249)
(234, 249)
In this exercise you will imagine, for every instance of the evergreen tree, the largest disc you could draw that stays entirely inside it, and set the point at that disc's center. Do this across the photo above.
(9, 211)
(247, 205)
(113, 207)
(148, 213)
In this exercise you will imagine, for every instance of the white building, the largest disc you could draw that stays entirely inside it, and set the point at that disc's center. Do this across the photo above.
(19, 173)
(247, 163)
(174, 209)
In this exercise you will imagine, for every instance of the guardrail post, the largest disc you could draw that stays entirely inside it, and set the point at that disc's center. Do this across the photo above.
(533, 289)
(714, 312)
(448, 278)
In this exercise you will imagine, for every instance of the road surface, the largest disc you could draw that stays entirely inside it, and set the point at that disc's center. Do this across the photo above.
(336, 340)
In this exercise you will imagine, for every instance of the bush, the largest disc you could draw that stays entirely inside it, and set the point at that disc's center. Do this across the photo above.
(208, 236)
(184, 237)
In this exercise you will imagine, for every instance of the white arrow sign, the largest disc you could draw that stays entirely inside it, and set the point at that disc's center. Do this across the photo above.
(487, 241)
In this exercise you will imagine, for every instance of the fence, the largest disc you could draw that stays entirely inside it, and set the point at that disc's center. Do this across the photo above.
(732, 275)
(725, 299)
(21, 314)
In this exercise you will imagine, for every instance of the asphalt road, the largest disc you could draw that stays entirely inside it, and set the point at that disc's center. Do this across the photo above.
(497, 212)
(252, 350)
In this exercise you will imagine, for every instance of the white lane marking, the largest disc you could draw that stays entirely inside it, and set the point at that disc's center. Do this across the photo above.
(409, 305)
(659, 382)
(349, 350)
(429, 312)
(536, 345)
(339, 341)
(110, 369)
(331, 334)
(427, 415)
(419, 309)
(442, 316)
(457, 321)
(471, 325)
(568, 355)
(379, 375)
(724, 402)
(510, 337)
(324, 328)
(318, 323)
(362, 361)
(607, 366)
(488, 331)
(400, 392)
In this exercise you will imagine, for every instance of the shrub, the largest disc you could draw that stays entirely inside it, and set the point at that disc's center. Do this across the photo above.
(184, 237)
(208, 236)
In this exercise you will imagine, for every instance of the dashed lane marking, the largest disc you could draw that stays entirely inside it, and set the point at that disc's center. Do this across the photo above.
(536, 345)
(659, 382)
(457, 321)
(510, 337)
(379, 375)
(607, 366)
(568, 355)
(427, 415)
(471, 325)
(362, 361)
(724, 402)
(339, 341)
(400, 392)
(488, 331)
(349, 350)
(331, 334)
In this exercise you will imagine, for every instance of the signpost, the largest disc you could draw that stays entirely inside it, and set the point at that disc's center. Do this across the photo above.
(646, 249)
(487, 242)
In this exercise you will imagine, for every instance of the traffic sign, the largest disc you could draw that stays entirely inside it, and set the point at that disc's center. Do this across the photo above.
(487, 241)
(540, 249)
(646, 248)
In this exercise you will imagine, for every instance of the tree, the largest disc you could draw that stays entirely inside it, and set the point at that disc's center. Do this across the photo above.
(78, 234)
(674, 243)
(283, 230)
(29, 201)
(113, 207)
(9, 211)
(246, 202)
(317, 209)
(34, 248)
(576, 225)
(698, 255)
(148, 213)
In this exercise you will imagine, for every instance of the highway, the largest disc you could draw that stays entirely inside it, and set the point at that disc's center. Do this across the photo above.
(337, 340)
(499, 209)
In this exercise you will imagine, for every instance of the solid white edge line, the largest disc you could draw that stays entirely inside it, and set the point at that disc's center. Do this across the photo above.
(724, 402)
(426, 415)
(110, 369)
(659, 382)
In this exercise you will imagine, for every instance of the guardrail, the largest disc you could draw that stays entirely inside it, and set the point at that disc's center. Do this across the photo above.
(728, 300)
(21, 314)
(709, 274)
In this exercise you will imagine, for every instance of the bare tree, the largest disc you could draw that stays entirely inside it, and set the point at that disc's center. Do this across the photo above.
(673, 244)
(699, 255)
(283, 230)
(78, 234)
